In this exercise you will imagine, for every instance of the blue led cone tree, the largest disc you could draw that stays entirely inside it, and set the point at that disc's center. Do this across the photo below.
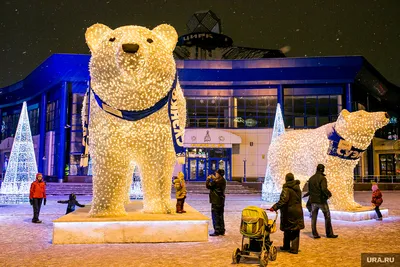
(22, 168)
(270, 192)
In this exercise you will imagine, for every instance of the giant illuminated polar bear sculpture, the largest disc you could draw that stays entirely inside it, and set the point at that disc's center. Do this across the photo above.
(337, 145)
(137, 114)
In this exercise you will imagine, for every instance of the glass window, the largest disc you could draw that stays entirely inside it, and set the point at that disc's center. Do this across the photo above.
(288, 105)
(335, 108)
(312, 122)
(299, 122)
(323, 120)
(299, 108)
(311, 105)
(323, 105)
(34, 121)
(220, 112)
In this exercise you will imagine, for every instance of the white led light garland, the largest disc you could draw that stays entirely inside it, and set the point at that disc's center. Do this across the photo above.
(132, 81)
(300, 151)
(22, 167)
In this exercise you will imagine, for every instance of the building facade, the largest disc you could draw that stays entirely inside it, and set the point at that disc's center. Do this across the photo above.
(231, 108)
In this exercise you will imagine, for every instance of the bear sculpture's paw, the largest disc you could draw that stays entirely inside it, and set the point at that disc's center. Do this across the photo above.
(345, 206)
(161, 207)
(107, 213)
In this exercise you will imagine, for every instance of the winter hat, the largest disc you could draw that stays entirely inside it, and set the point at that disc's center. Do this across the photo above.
(221, 172)
(181, 175)
(321, 168)
(37, 175)
(374, 187)
(289, 177)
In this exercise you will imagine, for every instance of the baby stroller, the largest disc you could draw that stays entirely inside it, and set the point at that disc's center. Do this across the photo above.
(257, 228)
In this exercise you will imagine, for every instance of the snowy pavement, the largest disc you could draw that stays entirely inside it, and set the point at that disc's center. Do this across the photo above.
(25, 244)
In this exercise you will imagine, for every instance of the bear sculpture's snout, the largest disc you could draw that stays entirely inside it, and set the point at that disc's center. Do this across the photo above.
(131, 48)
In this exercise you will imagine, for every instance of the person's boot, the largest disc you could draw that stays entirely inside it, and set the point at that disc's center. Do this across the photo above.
(178, 208)
(182, 210)
(332, 236)
(215, 234)
(294, 249)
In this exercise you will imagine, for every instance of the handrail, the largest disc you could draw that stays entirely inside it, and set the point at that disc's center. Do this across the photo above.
(377, 178)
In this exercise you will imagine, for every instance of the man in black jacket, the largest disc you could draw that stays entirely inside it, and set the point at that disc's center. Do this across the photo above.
(319, 195)
(217, 184)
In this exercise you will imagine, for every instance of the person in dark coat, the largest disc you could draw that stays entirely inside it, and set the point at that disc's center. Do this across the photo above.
(319, 195)
(72, 202)
(217, 184)
(37, 194)
(292, 220)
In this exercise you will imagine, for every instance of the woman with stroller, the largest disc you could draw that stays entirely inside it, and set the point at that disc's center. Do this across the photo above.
(292, 220)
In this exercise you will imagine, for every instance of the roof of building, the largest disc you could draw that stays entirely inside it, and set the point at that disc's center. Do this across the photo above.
(220, 74)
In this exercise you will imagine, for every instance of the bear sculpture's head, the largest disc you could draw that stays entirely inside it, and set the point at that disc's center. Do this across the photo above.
(131, 67)
(360, 126)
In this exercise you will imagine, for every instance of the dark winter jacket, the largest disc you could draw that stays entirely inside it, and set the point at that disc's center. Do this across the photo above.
(217, 190)
(72, 202)
(318, 188)
(290, 206)
(377, 199)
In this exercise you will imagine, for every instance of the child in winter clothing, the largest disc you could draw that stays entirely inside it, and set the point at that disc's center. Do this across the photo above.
(377, 200)
(37, 194)
(72, 202)
(180, 187)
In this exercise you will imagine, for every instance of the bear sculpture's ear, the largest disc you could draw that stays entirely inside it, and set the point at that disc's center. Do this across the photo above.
(94, 34)
(168, 35)
(344, 113)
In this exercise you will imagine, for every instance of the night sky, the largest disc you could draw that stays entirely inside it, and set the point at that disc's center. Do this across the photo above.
(31, 31)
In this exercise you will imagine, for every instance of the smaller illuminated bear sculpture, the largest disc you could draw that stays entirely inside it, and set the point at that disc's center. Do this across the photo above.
(337, 145)
(137, 115)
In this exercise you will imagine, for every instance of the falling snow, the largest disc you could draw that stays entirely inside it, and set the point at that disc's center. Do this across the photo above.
(46, 27)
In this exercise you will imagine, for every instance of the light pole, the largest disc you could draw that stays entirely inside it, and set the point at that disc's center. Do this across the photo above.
(244, 170)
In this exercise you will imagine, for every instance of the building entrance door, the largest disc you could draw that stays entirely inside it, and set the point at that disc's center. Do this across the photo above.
(197, 169)
(218, 163)
(202, 162)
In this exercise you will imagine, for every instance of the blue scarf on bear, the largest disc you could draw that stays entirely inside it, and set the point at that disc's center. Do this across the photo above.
(171, 98)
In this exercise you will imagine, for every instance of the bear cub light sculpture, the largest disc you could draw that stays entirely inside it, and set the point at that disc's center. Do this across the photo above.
(137, 114)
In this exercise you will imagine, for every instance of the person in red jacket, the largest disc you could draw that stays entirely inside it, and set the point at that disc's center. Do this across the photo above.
(376, 200)
(37, 195)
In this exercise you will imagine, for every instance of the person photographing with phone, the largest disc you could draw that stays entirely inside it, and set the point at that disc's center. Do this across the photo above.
(216, 183)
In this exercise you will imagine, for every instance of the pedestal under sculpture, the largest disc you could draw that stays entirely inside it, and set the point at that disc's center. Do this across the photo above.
(137, 227)
(360, 214)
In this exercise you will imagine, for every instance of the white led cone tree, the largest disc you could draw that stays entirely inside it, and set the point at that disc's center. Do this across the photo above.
(270, 192)
(136, 191)
(132, 69)
(90, 170)
(22, 168)
(338, 145)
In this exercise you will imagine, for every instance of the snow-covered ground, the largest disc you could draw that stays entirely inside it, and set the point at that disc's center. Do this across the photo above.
(25, 244)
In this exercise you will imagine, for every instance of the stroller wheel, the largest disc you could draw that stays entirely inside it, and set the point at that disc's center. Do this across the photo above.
(272, 253)
(264, 258)
(236, 256)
